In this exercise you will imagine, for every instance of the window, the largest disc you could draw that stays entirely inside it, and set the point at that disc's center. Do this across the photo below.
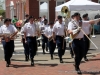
(59, 3)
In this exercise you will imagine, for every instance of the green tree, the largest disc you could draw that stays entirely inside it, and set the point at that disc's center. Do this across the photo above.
(2, 12)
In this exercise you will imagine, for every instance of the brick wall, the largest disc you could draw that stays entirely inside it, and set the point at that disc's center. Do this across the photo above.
(52, 5)
(34, 8)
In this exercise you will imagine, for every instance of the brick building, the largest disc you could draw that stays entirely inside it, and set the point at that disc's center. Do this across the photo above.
(31, 7)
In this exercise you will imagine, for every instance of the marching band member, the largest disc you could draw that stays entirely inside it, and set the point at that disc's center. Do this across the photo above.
(59, 30)
(44, 39)
(8, 32)
(25, 45)
(87, 29)
(48, 33)
(74, 27)
(30, 32)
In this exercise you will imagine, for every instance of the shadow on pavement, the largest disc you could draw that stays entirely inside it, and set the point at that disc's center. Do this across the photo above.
(16, 60)
(91, 72)
(92, 49)
(40, 60)
(64, 58)
(51, 65)
(19, 66)
(94, 59)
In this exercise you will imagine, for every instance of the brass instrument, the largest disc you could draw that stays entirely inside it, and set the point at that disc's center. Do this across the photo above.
(65, 12)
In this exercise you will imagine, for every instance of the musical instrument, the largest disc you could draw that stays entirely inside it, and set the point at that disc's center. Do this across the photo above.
(66, 13)
(85, 35)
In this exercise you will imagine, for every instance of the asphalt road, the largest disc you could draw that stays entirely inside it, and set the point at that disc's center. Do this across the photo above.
(67, 54)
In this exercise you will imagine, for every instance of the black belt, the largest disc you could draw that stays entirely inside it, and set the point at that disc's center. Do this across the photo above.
(78, 38)
(30, 36)
(60, 35)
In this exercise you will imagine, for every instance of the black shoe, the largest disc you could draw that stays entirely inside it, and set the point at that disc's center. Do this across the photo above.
(32, 62)
(26, 58)
(43, 52)
(85, 59)
(51, 57)
(46, 49)
(7, 65)
(61, 60)
(77, 69)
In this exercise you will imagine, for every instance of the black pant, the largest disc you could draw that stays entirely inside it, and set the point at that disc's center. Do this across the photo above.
(32, 44)
(51, 46)
(44, 40)
(78, 48)
(26, 48)
(8, 49)
(86, 43)
(61, 49)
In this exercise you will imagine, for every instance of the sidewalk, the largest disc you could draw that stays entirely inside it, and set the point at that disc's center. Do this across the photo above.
(92, 67)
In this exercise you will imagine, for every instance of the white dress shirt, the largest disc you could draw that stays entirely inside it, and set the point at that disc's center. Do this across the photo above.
(86, 28)
(72, 26)
(59, 28)
(30, 29)
(48, 31)
(8, 29)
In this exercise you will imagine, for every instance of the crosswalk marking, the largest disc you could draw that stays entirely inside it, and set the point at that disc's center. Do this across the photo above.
(19, 50)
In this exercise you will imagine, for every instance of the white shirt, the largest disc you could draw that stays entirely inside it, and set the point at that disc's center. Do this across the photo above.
(43, 27)
(86, 28)
(0, 31)
(8, 29)
(22, 31)
(59, 28)
(30, 29)
(72, 26)
(48, 31)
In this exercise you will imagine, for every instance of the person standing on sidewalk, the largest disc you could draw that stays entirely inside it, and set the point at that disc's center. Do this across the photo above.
(30, 33)
(8, 33)
(59, 31)
(48, 33)
(44, 39)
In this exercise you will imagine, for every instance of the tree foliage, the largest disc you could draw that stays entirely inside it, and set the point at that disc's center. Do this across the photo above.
(2, 12)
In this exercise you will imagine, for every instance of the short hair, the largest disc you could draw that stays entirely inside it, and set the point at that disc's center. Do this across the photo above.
(10, 20)
(76, 14)
(26, 15)
(45, 20)
(6, 20)
(72, 16)
(85, 15)
(15, 16)
(51, 23)
(59, 17)
(39, 17)
(30, 17)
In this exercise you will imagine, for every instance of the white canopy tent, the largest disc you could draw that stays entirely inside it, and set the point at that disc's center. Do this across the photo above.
(78, 5)
(44, 7)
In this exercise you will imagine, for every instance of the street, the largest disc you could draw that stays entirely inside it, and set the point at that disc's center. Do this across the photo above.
(45, 58)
